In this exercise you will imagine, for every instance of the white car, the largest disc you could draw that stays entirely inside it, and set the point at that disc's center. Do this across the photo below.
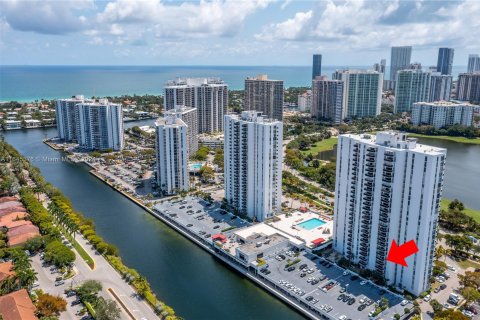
(363, 282)
(345, 273)
(427, 298)
(468, 313)
(404, 303)
(342, 317)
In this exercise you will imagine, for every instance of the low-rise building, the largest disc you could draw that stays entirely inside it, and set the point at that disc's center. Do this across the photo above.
(305, 101)
(17, 306)
(6, 271)
(32, 123)
(214, 141)
(258, 245)
(13, 124)
(442, 114)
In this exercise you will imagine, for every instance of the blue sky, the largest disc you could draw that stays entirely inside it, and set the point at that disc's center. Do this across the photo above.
(257, 32)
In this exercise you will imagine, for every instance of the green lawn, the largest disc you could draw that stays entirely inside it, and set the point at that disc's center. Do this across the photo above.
(324, 145)
(454, 139)
(475, 214)
(465, 264)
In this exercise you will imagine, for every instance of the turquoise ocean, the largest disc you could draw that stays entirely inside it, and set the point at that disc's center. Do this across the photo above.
(30, 83)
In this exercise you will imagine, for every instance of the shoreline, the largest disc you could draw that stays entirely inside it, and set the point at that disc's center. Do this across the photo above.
(472, 141)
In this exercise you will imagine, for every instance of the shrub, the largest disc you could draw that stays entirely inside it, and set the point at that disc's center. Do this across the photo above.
(59, 254)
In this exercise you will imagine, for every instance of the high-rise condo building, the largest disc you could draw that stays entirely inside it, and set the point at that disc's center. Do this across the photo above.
(445, 60)
(327, 101)
(100, 125)
(253, 164)
(190, 118)
(66, 117)
(400, 59)
(411, 86)
(362, 93)
(380, 67)
(473, 63)
(172, 154)
(208, 95)
(468, 87)
(388, 187)
(440, 87)
(305, 101)
(264, 95)
(442, 114)
(316, 66)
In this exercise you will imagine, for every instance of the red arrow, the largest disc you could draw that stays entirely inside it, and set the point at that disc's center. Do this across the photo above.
(397, 254)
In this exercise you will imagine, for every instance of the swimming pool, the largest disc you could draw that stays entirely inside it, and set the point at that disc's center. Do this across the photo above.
(196, 166)
(311, 224)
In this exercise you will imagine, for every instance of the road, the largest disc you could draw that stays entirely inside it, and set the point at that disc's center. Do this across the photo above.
(105, 274)
(304, 179)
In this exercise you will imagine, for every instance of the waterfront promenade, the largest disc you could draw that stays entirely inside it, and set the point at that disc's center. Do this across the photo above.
(113, 286)
(135, 308)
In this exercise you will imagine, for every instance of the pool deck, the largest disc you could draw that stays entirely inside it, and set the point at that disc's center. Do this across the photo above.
(290, 226)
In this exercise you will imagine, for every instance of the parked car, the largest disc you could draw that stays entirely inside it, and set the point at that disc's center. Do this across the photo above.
(71, 293)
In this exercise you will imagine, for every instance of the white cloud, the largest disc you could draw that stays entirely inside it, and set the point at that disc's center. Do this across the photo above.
(368, 25)
(47, 17)
(189, 19)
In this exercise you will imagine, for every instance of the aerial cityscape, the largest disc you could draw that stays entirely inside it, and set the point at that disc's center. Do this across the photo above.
(239, 160)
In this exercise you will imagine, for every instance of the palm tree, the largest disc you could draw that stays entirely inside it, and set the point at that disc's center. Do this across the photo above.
(27, 277)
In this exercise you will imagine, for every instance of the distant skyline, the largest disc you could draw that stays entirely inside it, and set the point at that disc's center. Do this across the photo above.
(257, 32)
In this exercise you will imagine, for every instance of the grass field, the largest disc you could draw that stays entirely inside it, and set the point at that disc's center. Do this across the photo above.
(475, 214)
(323, 145)
(454, 139)
(465, 264)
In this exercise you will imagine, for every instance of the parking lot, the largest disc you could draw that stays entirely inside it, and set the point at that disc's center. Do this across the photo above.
(46, 276)
(200, 217)
(322, 283)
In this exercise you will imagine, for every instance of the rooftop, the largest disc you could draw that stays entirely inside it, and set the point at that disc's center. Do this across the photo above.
(256, 242)
(446, 104)
(17, 306)
(263, 228)
(170, 121)
(291, 225)
(253, 116)
(395, 140)
(195, 82)
(6, 270)
(262, 77)
(10, 204)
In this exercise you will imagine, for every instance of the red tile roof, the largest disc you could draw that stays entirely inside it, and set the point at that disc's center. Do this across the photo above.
(20, 234)
(17, 306)
(9, 204)
(12, 209)
(13, 219)
(6, 270)
(5, 199)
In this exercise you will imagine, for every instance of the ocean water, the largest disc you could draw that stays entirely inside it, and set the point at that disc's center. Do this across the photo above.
(29, 83)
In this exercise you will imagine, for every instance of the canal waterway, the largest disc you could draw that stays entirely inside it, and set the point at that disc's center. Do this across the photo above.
(195, 284)
(187, 278)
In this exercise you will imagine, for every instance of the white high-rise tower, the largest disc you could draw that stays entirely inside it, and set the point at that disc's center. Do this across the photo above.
(253, 164)
(388, 187)
(172, 154)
